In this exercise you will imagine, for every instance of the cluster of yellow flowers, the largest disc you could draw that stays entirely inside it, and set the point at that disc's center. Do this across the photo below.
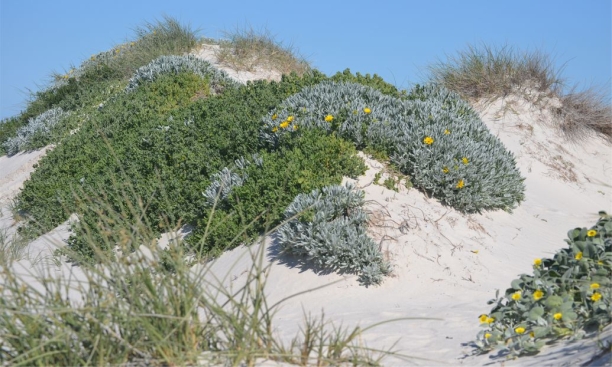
(285, 124)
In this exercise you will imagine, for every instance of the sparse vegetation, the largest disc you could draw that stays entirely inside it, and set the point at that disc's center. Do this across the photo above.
(247, 49)
(486, 72)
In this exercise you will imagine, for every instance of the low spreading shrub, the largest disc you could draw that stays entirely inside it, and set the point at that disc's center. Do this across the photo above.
(164, 65)
(36, 128)
(433, 136)
(568, 295)
(328, 228)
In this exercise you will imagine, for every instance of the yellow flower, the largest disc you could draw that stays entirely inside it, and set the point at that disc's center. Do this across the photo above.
(490, 320)
(284, 124)
(532, 334)
(290, 118)
(487, 335)
(591, 233)
(274, 129)
(464, 160)
(537, 262)
(599, 262)
(516, 295)
(558, 316)
(537, 295)
(367, 111)
(578, 256)
(295, 127)
(483, 318)
(596, 297)
(445, 169)
(274, 117)
(460, 184)
(428, 140)
(519, 330)
(446, 132)
(594, 285)
(329, 118)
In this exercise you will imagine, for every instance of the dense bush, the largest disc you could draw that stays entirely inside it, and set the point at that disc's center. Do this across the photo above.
(165, 141)
(449, 152)
(328, 227)
(433, 136)
(373, 81)
(246, 199)
(41, 125)
(567, 295)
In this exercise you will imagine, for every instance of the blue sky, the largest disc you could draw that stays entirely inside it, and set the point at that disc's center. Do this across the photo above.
(395, 39)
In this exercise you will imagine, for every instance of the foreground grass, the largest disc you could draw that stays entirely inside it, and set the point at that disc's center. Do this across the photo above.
(486, 72)
(155, 306)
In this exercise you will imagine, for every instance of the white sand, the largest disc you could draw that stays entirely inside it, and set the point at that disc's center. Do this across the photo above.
(447, 265)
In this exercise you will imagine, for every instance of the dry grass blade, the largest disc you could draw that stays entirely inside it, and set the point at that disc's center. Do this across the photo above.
(585, 111)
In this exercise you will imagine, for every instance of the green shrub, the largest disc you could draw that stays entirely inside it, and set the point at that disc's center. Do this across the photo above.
(567, 295)
(167, 141)
(328, 228)
(373, 81)
(246, 200)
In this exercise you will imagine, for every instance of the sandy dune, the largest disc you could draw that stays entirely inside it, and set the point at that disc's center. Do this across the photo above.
(447, 265)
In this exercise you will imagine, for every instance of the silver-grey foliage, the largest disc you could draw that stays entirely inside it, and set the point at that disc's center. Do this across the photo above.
(434, 137)
(225, 180)
(328, 228)
(177, 64)
(41, 124)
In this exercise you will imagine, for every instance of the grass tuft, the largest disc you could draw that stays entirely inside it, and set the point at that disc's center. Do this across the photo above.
(486, 72)
(248, 49)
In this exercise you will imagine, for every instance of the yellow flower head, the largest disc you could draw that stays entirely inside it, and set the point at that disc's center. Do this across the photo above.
(483, 318)
(487, 335)
(284, 124)
(445, 169)
(367, 111)
(591, 233)
(460, 184)
(428, 140)
(329, 118)
(599, 262)
(295, 127)
(274, 117)
(578, 256)
(520, 330)
(274, 129)
(516, 295)
(465, 160)
(532, 334)
(537, 262)
(446, 132)
(290, 118)
(558, 316)
(594, 285)
(490, 320)
(596, 297)
(537, 295)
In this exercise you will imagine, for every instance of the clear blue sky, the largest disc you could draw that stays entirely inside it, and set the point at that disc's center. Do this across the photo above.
(395, 39)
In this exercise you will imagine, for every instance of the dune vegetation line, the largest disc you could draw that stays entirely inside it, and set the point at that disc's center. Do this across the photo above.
(147, 138)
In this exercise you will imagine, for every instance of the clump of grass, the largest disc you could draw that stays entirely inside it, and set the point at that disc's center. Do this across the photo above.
(486, 72)
(248, 49)
(585, 111)
(491, 72)
(154, 306)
